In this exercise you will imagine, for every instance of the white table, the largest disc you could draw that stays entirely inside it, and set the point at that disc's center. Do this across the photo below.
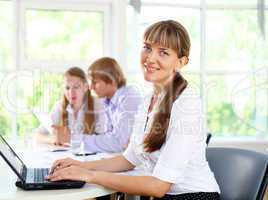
(41, 157)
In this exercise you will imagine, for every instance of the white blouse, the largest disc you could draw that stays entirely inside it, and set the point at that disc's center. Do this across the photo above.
(181, 159)
(55, 116)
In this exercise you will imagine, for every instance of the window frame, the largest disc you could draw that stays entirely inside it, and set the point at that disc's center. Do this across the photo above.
(114, 43)
(202, 71)
(114, 36)
(51, 65)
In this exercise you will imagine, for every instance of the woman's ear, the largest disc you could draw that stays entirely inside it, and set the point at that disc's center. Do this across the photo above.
(184, 60)
(181, 63)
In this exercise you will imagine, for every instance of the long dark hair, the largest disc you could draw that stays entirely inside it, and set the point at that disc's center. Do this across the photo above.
(173, 35)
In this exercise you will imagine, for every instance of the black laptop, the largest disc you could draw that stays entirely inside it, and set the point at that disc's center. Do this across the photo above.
(32, 178)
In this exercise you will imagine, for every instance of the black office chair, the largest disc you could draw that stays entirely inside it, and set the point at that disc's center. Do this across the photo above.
(241, 174)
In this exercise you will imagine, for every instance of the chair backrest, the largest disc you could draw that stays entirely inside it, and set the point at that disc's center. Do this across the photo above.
(209, 135)
(241, 174)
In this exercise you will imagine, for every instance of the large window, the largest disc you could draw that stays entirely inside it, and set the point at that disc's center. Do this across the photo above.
(233, 40)
(228, 65)
(236, 55)
(228, 62)
(6, 62)
(39, 41)
(61, 35)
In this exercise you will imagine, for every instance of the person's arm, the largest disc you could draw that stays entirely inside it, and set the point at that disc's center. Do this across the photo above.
(119, 163)
(93, 172)
(62, 135)
(136, 185)
(185, 133)
(42, 137)
(45, 134)
(184, 136)
(115, 140)
(114, 164)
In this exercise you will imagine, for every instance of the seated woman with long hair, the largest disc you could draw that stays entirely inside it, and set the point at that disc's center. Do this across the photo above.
(168, 139)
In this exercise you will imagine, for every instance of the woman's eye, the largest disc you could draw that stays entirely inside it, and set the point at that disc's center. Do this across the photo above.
(163, 53)
(146, 48)
(67, 88)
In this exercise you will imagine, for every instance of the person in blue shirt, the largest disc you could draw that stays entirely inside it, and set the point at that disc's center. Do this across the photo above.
(119, 102)
(105, 122)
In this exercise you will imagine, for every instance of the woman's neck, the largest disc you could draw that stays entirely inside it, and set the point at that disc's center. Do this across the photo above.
(76, 107)
(160, 87)
(152, 103)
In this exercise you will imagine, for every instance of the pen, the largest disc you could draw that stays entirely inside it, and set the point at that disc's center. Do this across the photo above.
(59, 150)
(85, 154)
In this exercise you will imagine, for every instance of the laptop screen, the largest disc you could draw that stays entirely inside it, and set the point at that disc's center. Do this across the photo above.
(10, 155)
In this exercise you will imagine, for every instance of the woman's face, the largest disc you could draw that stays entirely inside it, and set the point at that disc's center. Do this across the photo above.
(158, 63)
(75, 90)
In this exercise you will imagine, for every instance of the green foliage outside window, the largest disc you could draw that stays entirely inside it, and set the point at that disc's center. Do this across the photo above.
(233, 43)
(47, 89)
(5, 121)
(62, 35)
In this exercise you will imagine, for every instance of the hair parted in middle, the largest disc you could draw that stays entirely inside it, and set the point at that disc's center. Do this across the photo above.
(89, 119)
(173, 35)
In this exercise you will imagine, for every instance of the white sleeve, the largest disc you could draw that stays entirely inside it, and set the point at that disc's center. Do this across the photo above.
(184, 134)
(130, 154)
(139, 121)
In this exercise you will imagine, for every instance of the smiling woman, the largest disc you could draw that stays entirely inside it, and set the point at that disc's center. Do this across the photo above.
(168, 140)
(221, 61)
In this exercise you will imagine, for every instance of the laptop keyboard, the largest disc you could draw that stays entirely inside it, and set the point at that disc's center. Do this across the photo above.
(37, 175)
(40, 174)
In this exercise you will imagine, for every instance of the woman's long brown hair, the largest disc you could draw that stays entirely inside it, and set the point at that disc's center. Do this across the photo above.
(89, 119)
(170, 34)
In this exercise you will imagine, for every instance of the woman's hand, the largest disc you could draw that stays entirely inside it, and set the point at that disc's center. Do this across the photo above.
(62, 135)
(64, 163)
(72, 173)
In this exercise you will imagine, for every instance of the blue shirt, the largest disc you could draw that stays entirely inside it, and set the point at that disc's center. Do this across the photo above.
(118, 116)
